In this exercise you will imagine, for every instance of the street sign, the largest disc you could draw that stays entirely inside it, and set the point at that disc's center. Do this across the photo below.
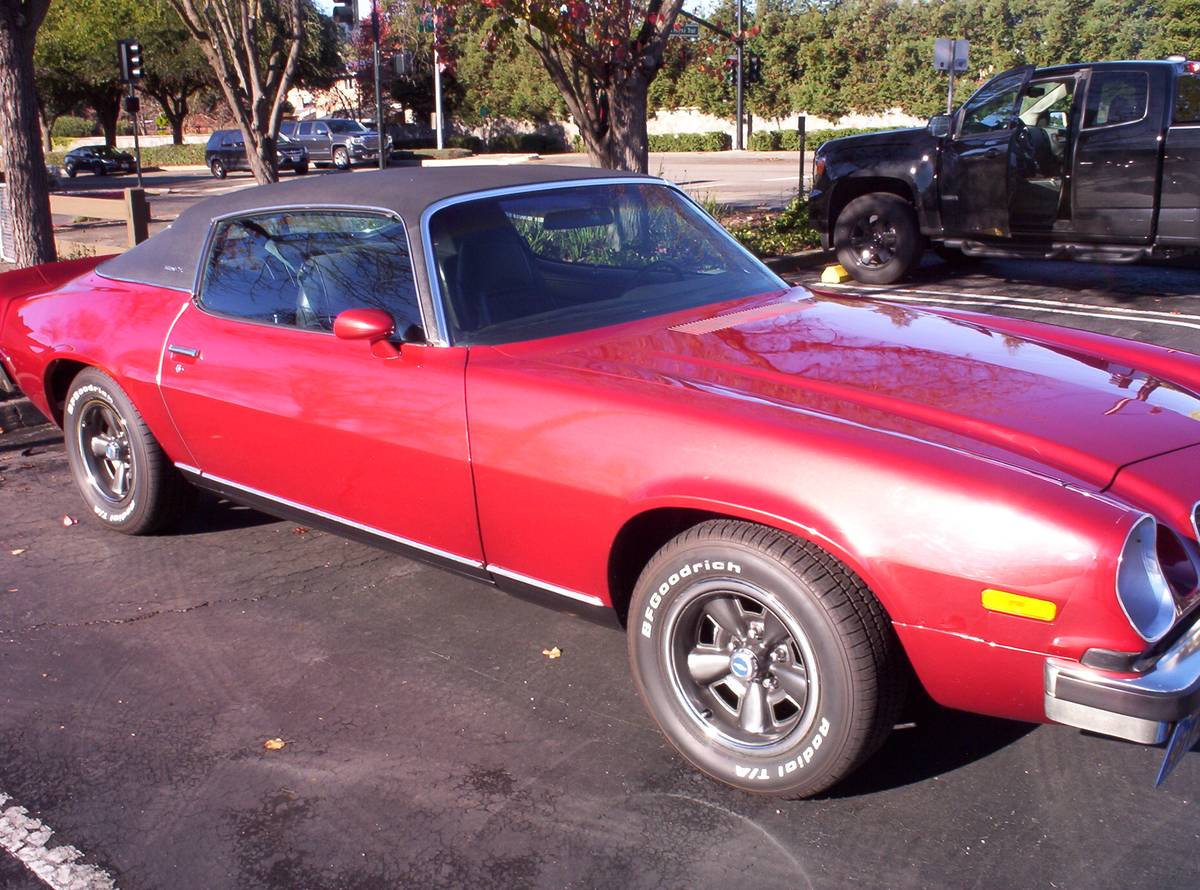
(685, 29)
(951, 55)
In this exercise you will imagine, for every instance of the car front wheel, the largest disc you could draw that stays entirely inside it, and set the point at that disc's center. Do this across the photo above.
(341, 158)
(765, 661)
(127, 481)
(877, 238)
(217, 168)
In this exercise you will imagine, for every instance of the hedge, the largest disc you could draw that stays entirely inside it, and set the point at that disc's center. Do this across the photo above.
(152, 155)
(71, 127)
(510, 143)
(713, 141)
(789, 140)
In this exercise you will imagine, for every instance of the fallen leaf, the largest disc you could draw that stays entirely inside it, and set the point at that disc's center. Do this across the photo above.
(18, 551)
(69, 521)
(552, 653)
(274, 744)
(299, 530)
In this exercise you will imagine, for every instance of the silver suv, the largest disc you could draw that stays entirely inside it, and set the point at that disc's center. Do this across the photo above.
(336, 141)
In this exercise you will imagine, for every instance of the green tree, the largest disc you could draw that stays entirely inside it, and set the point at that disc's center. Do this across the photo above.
(602, 55)
(77, 53)
(253, 48)
(175, 67)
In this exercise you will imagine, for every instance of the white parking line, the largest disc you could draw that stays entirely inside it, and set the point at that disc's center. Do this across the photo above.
(58, 867)
(1028, 304)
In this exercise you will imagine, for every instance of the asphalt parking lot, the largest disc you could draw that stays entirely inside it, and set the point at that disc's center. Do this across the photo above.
(428, 742)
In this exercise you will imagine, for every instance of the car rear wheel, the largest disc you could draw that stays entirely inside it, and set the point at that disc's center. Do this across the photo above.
(217, 167)
(765, 661)
(98, 169)
(302, 169)
(877, 238)
(70, 170)
(341, 158)
(127, 481)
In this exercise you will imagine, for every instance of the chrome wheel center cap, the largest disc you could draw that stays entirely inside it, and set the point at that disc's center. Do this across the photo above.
(114, 452)
(743, 664)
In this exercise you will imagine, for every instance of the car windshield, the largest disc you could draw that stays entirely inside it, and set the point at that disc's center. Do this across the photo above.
(559, 261)
(346, 127)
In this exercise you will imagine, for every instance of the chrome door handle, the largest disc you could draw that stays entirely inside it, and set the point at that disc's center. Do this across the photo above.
(185, 351)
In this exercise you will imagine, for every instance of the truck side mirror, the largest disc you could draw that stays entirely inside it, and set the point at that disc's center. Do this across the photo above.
(940, 125)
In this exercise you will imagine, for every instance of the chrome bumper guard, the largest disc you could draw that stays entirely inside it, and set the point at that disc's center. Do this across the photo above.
(1140, 708)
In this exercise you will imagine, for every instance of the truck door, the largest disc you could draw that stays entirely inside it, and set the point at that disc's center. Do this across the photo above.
(975, 188)
(1117, 154)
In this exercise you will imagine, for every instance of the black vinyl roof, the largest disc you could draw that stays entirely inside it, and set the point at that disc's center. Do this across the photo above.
(169, 258)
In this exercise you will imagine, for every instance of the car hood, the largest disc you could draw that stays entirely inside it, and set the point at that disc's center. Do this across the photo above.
(1073, 415)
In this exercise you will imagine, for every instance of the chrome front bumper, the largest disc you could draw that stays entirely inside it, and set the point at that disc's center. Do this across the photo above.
(1139, 707)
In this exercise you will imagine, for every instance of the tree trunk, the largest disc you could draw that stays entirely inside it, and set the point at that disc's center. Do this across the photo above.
(108, 111)
(47, 133)
(628, 145)
(28, 191)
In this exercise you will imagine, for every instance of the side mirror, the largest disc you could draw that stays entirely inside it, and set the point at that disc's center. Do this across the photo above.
(940, 125)
(373, 325)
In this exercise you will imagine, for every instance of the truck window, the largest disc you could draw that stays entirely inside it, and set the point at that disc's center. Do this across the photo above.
(1187, 100)
(1116, 97)
(991, 108)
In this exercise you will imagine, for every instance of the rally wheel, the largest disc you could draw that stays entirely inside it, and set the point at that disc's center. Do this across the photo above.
(127, 481)
(765, 661)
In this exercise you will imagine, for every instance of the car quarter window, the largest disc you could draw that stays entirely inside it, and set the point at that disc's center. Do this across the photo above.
(1187, 100)
(302, 268)
(1116, 97)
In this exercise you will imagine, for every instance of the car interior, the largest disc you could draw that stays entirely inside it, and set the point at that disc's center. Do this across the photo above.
(1041, 153)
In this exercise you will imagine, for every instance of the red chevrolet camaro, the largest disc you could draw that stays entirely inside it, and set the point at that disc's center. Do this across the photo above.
(573, 384)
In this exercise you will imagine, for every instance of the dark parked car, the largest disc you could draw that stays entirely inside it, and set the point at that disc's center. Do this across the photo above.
(1096, 161)
(337, 141)
(226, 151)
(97, 159)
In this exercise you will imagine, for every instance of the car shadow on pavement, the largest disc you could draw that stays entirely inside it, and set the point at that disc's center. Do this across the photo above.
(1166, 278)
(210, 514)
(936, 741)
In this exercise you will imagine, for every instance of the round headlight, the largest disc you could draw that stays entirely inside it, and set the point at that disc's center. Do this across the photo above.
(1142, 587)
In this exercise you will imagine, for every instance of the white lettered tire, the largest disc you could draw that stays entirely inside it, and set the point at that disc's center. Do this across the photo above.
(127, 482)
(765, 661)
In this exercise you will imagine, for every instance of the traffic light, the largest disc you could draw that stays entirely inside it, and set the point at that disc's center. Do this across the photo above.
(731, 70)
(754, 70)
(129, 55)
(344, 12)
(402, 63)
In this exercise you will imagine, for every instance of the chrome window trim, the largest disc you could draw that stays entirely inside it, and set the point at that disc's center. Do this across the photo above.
(1196, 520)
(361, 209)
(332, 517)
(442, 337)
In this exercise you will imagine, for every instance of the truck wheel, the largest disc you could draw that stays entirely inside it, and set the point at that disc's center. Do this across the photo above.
(341, 158)
(764, 660)
(877, 238)
(121, 471)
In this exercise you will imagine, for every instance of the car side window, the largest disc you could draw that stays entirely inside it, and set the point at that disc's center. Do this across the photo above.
(320, 130)
(991, 108)
(1187, 100)
(305, 130)
(302, 268)
(1116, 97)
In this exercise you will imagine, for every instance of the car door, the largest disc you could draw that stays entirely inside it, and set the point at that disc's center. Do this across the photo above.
(1116, 175)
(320, 143)
(975, 182)
(273, 406)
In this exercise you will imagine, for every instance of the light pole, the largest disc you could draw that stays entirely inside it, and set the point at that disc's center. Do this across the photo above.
(740, 74)
(437, 82)
(378, 83)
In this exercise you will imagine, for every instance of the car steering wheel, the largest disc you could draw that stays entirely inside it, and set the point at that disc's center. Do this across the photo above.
(667, 265)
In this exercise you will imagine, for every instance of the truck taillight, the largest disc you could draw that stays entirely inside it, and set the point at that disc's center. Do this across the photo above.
(1192, 67)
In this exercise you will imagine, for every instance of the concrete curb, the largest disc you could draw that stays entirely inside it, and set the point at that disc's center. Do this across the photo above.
(800, 262)
(17, 414)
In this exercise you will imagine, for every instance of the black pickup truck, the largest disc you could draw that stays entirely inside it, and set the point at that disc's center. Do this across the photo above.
(1093, 162)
